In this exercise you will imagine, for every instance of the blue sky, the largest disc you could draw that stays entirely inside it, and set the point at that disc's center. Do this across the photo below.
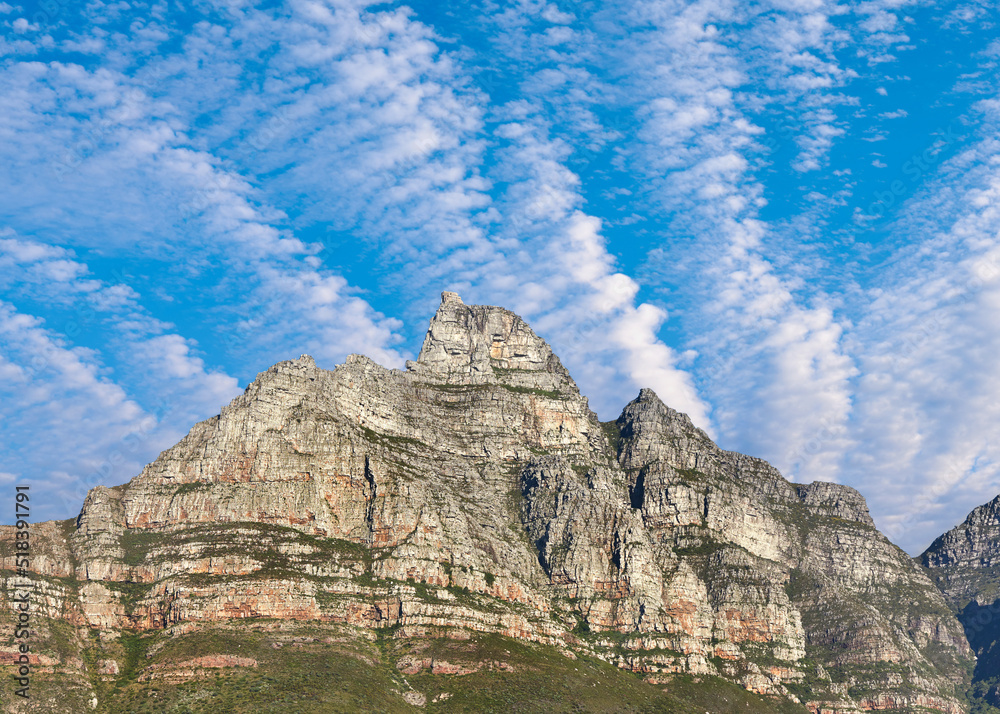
(782, 216)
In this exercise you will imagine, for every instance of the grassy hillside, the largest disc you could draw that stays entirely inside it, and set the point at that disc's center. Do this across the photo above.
(270, 666)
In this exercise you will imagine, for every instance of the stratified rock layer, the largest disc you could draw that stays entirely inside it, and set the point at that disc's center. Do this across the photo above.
(476, 491)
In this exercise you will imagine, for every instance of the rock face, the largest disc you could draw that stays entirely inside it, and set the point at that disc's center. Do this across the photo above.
(477, 492)
(965, 564)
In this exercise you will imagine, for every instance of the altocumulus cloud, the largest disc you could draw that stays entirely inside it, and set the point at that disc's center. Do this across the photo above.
(675, 194)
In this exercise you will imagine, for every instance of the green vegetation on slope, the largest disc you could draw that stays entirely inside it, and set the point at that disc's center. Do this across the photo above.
(318, 668)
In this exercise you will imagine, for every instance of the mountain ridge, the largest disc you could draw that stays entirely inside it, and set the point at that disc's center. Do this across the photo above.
(477, 492)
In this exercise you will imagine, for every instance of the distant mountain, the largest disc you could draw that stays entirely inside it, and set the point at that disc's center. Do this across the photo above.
(465, 535)
(965, 564)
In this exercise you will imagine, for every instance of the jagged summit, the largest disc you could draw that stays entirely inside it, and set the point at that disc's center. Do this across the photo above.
(476, 342)
(651, 430)
(965, 564)
(973, 543)
(647, 421)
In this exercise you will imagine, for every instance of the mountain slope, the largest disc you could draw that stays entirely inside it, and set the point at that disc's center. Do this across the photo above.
(382, 516)
(965, 564)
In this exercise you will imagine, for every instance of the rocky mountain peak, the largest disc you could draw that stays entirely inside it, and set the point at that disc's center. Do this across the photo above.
(974, 543)
(478, 342)
(837, 500)
(651, 430)
(648, 411)
(965, 565)
(985, 516)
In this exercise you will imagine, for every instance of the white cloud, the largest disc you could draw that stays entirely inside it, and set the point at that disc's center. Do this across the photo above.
(21, 25)
(385, 147)
(816, 144)
(927, 403)
(146, 164)
(55, 384)
(575, 295)
(553, 14)
(764, 358)
(63, 419)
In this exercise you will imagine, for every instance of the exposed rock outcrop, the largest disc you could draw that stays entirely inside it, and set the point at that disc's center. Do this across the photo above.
(477, 491)
(965, 564)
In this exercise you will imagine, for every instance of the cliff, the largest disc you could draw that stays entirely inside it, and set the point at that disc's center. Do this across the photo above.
(965, 564)
(380, 518)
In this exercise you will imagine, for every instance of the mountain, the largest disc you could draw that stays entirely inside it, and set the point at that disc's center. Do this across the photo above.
(965, 564)
(465, 535)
